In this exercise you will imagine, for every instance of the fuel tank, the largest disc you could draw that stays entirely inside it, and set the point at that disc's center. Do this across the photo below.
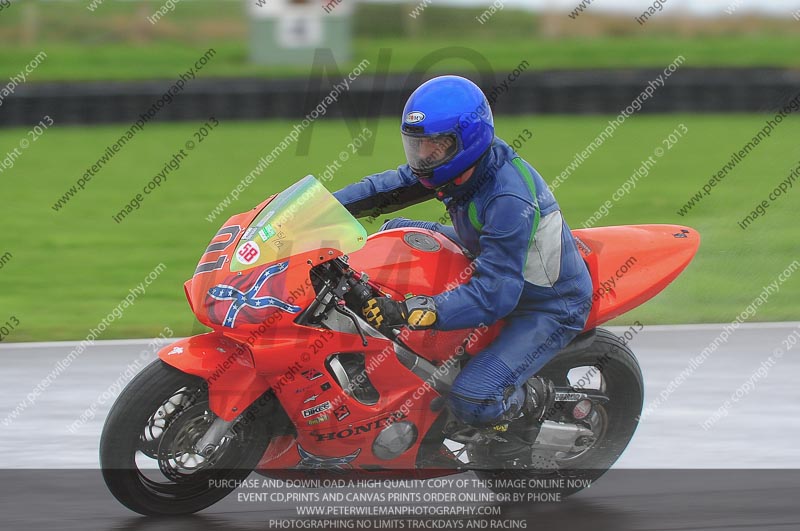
(410, 261)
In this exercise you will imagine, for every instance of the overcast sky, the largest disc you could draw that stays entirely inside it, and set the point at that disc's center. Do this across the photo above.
(706, 7)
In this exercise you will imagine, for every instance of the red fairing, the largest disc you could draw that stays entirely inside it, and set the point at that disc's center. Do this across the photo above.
(631, 264)
(226, 365)
(273, 293)
(333, 424)
(258, 346)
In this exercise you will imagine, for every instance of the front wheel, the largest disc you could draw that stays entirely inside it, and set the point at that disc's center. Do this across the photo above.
(147, 449)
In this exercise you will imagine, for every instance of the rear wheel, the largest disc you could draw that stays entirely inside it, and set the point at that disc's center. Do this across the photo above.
(606, 367)
(147, 448)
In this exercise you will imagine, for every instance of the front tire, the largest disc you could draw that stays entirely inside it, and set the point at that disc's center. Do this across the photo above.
(146, 449)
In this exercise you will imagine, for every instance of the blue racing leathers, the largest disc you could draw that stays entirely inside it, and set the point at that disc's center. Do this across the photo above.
(527, 270)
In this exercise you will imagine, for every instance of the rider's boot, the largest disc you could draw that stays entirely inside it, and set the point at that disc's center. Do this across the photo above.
(521, 427)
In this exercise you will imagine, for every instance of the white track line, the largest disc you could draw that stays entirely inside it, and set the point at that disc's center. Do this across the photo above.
(716, 326)
(653, 328)
(99, 343)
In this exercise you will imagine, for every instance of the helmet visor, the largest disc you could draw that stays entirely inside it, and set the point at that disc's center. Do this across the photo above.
(425, 153)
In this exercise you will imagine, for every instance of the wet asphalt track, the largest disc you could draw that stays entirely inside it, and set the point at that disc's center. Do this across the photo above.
(759, 433)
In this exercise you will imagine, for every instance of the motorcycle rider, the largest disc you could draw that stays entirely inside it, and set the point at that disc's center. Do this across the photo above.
(527, 268)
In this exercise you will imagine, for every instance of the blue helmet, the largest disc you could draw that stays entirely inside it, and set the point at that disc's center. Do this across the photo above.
(447, 127)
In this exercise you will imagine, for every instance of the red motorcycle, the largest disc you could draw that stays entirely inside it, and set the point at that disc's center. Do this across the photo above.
(292, 381)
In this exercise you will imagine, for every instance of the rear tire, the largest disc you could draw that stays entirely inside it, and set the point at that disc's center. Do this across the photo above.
(160, 409)
(625, 389)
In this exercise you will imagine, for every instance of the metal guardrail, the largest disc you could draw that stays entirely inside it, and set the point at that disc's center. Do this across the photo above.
(546, 92)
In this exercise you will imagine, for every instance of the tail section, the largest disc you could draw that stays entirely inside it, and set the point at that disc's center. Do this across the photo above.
(631, 264)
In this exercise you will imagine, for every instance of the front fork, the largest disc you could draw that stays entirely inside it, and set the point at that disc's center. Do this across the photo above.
(209, 442)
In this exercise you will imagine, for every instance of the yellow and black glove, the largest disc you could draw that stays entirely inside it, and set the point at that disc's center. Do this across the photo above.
(417, 313)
